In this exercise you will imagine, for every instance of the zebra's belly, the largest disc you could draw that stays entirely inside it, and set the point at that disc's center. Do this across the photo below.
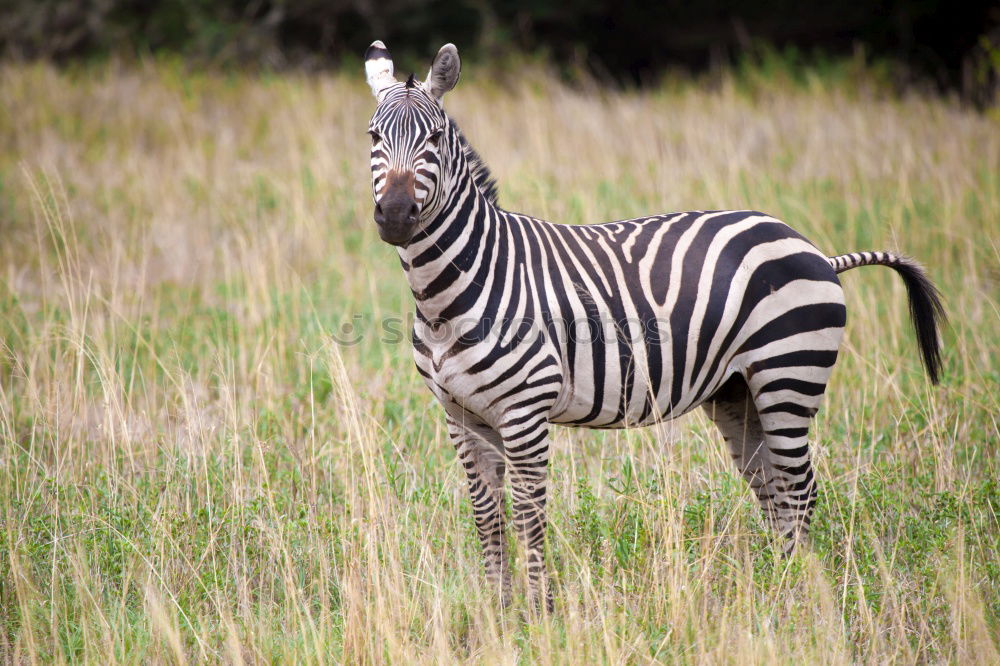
(629, 390)
(579, 414)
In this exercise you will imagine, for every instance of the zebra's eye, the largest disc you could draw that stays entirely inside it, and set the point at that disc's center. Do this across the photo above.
(435, 136)
(375, 136)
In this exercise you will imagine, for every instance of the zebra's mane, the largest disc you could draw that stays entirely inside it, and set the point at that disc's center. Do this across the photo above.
(484, 180)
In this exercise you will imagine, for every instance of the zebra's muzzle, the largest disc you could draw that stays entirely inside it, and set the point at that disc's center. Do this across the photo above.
(396, 219)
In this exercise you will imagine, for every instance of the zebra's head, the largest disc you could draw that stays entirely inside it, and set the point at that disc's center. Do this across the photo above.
(410, 136)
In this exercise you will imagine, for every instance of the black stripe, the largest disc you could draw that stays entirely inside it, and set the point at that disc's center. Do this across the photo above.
(803, 319)
(791, 433)
(790, 408)
(820, 358)
(790, 384)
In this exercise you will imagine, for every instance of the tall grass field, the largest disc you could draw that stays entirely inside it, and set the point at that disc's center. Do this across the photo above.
(214, 446)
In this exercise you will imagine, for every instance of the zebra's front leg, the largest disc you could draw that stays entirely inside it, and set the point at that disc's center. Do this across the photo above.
(527, 450)
(479, 451)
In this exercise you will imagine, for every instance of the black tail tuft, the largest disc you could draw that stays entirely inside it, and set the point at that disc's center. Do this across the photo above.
(926, 311)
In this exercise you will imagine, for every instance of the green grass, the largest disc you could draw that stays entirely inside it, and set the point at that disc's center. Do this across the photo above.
(192, 469)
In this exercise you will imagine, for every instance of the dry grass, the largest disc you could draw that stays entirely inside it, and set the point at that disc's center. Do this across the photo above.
(192, 469)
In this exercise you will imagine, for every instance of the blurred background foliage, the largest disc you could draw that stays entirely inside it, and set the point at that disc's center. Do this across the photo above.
(945, 44)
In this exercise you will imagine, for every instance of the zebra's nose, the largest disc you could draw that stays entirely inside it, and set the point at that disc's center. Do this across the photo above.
(396, 211)
(396, 217)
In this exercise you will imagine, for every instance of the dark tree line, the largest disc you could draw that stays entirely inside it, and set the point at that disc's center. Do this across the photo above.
(953, 43)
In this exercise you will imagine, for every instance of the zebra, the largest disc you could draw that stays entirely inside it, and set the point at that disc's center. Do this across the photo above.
(733, 311)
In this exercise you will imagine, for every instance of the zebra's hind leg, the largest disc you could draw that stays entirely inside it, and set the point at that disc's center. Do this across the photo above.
(787, 399)
(479, 452)
(733, 411)
(766, 430)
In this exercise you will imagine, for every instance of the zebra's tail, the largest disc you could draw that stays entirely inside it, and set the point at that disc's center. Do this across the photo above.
(926, 310)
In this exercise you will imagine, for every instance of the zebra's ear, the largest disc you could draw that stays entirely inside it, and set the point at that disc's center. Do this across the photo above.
(378, 67)
(444, 72)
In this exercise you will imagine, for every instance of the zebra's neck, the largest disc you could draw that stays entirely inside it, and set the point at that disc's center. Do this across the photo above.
(443, 261)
